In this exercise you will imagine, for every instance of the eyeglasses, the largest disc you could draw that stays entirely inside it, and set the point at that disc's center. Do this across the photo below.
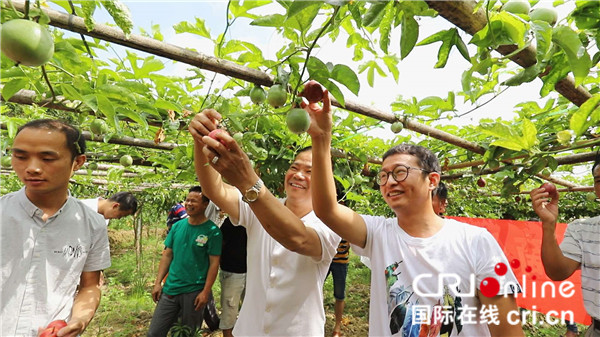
(399, 173)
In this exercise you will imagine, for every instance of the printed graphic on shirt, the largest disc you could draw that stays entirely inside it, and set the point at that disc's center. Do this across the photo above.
(201, 240)
(404, 309)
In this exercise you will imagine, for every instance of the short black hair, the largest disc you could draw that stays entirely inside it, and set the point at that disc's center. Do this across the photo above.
(127, 201)
(428, 161)
(441, 191)
(596, 160)
(75, 142)
(198, 189)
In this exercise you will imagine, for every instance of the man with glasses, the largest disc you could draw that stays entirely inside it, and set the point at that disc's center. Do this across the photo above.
(429, 276)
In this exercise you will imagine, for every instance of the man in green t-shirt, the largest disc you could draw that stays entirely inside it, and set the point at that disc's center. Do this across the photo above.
(191, 258)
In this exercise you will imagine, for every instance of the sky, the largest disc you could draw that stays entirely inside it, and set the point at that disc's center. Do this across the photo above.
(418, 78)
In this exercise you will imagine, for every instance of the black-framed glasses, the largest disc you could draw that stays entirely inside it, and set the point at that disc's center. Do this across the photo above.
(399, 173)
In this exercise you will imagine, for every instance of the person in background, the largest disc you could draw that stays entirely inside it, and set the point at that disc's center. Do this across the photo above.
(232, 274)
(191, 258)
(578, 250)
(412, 251)
(119, 205)
(440, 199)
(176, 213)
(339, 270)
(50, 242)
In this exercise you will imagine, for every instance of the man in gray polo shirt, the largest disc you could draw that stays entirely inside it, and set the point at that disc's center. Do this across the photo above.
(49, 241)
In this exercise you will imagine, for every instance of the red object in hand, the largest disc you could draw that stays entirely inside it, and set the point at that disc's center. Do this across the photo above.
(213, 134)
(312, 92)
(551, 189)
(52, 329)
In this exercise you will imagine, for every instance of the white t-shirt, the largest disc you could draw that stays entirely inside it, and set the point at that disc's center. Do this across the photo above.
(582, 244)
(284, 290)
(424, 283)
(41, 262)
(93, 204)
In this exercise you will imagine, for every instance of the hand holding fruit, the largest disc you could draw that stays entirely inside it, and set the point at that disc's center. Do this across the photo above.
(52, 329)
(320, 116)
(545, 203)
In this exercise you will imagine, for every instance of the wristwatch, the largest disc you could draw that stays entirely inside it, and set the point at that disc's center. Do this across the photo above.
(251, 194)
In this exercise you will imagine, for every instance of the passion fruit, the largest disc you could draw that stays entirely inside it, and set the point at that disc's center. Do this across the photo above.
(126, 160)
(297, 120)
(517, 6)
(277, 96)
(312, 92)
(26, 42)
(258, 95)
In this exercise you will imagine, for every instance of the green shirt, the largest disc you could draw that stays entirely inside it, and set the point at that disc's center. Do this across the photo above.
(192, 245)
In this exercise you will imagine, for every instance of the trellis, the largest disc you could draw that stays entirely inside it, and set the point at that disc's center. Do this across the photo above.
(460, 13)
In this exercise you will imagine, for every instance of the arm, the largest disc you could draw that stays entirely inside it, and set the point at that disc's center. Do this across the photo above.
(505, 305)
(211, 276)
(342, 220)
(233, 164)
(163, 269)
(85, 304)
(221, 194)
(557, 266)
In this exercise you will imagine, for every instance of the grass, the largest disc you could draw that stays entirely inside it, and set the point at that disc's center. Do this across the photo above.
(126, 308)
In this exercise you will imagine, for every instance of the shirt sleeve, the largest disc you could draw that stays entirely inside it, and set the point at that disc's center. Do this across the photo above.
(215, 242)
(571, 244)
(488, 255)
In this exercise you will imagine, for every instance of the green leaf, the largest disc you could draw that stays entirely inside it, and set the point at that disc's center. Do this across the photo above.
(529, 134)
(578, 57)
(579, 121)
(409, 35)
(543, 38)
(317, 70)
(559, 69)
(439, 36)
(12, 87)
(107, 109)
(385, 27)
(374, 14)
(241, 8)
(199, 28)
(335, 91)
(443, 54)
(525, 76)
(273, 20)
(391, 63)
(509, 144)
(346, 76)
(133, 115)
(120, 13)
(164, 104)
(298, 6)
(70, 92)
(461, 46)
(88, 8)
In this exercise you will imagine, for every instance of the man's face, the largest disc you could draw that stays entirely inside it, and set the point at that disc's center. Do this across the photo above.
(596, 175)
(297, 177)
(43, 162)
(194, 204)
(414, 190)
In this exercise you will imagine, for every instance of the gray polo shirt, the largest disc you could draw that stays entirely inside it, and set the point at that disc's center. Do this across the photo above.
(41, 262)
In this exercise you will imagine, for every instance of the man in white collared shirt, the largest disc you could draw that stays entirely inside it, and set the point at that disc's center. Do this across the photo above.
(49, 241)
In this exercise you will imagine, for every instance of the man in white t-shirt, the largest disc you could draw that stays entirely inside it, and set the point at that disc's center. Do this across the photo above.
(429, 276)
(579, 249)
(119, 205)
(289, 248)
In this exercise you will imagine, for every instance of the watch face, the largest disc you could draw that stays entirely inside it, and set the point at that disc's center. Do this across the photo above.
(251, 195)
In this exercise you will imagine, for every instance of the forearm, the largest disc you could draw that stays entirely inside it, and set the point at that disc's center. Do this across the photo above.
(211, 276)
(552, 256)
(85, 304)
(284, 226)
(163, 268)
(324, 197)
